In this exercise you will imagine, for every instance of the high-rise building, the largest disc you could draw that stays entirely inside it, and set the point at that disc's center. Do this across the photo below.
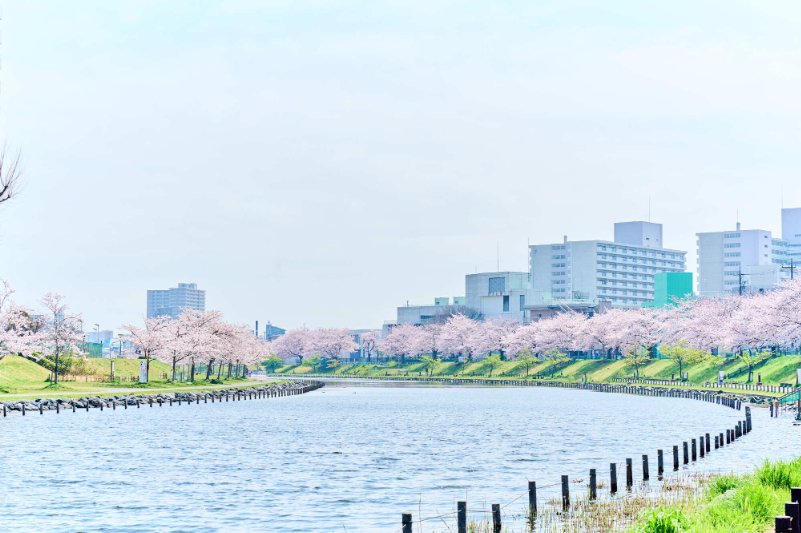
(170, 302)
(619, 271)
(743, 260)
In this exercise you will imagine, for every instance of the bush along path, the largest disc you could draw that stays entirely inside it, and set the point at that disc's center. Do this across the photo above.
(290, 388)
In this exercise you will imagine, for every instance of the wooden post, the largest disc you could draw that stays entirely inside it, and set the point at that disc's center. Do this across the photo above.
(532, 498)
(716, 442)
(686, 453)
(593, 484)
(406, 522)
(645, 475)
(721, 439)
(707, 443)
(695, 457)
(496, 518)
(461, 517)
(41, 412)
(701, 446)
(57, 408)
(794, 512)
(728, 437)
(660, 462)
(73, 406)
(613, 477)
(675, 457)
(565, 494)
(795, 494)
(784, 524)
(629, 473)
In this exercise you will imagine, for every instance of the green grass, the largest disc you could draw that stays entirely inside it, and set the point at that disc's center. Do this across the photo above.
(731, 504)
(780, 369)
(20, 376)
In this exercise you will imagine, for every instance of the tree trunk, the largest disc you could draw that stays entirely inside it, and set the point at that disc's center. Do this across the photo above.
(229, 370)
(173, 369)
(56, 381)
(209, 366)
(219, 370)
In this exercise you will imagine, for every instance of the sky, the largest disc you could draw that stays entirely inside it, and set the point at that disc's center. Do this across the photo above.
(320, 163)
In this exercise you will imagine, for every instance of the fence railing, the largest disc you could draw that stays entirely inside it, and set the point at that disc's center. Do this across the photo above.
(748, 386)
(102, 378)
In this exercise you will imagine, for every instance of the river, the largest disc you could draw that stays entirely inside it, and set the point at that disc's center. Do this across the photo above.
(348, 457)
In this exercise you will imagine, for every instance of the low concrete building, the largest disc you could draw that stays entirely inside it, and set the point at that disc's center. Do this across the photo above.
(497, 294)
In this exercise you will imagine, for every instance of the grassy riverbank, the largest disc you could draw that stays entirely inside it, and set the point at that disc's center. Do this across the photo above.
(774, 371)
(21, 378)
(729, 503)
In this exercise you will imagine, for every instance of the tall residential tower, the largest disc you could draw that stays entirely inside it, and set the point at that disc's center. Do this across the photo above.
(170, 302)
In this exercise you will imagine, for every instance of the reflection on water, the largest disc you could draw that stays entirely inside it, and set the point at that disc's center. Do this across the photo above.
(352, 455)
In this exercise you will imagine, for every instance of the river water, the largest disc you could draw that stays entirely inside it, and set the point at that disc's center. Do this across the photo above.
(349, 457)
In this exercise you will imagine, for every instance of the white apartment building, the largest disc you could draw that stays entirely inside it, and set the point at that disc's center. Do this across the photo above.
(619, 271)
(169, 302)
(748, 260)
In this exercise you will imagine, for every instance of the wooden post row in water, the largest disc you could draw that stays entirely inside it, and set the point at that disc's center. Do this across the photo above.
(496, 518)
(613, 477)
(532, 499)
(406, 522)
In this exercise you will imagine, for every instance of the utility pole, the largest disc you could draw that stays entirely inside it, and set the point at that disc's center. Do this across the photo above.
(791, 268)
(740, 277)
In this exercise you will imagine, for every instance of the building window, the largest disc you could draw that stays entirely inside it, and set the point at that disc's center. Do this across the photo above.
(732, 245)
(522, 301)
(731, 235)
(732, 254)
(505, 304)
(497, 285)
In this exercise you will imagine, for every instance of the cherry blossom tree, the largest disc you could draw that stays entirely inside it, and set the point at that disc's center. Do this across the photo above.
(403, 341)
(60, 334)
(369, 342)
(462, 336)
(294, 343)
(497, 330)
(11, 168)
(333, 342)
(429, 339)
(148, 340)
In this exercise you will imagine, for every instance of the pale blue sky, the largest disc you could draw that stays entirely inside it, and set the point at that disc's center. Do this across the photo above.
(324, 162)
